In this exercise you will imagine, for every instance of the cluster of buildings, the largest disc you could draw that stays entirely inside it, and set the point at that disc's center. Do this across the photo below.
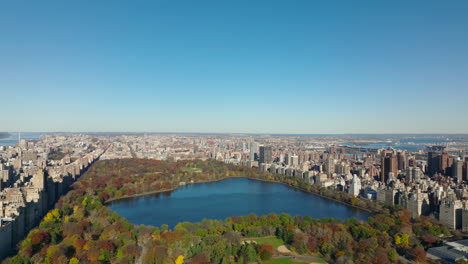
(435, 186)
(33, 175)
(431, 181)
(426, 182)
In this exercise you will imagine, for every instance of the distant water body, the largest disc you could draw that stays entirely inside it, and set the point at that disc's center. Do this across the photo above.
(13, 138)
(401, 143)
(226, 198)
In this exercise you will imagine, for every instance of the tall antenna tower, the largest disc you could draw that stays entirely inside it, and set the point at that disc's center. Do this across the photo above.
(19, 137)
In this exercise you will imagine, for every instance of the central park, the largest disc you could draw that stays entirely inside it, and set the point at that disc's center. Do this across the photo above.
(148, 211)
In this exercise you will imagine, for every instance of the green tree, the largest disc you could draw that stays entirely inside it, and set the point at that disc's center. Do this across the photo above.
(19, 260)
(392, 255)
(249, 252)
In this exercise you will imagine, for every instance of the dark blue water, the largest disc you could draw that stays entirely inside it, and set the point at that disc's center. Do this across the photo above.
(230, 197)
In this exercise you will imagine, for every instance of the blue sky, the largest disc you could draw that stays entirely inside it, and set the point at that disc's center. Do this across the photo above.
(235, 66)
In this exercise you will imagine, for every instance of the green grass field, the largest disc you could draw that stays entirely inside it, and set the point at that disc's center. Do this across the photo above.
(196, 170)
(283, 261)
(273, 241)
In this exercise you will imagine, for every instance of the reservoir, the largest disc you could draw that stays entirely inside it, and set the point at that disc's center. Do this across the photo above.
(226, 198)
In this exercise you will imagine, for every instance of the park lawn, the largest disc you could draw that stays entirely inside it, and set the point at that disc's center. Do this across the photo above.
(272, 241)
(283, 261)
(196, 170)
(321, 261)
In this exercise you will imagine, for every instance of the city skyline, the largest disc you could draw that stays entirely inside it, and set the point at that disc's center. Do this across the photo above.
(235, 67)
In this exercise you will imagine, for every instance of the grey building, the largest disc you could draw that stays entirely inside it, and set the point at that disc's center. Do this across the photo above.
(457, 171)
(266, 154)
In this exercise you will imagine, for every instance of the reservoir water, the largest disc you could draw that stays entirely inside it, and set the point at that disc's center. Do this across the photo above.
(230, 197)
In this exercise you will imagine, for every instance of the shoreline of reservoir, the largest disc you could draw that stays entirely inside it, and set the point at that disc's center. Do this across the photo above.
(310, 192)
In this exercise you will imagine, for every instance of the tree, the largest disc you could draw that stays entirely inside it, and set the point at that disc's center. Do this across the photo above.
(405, 240)
(402, 241)
(312, 243)
(392, 255)
(300, 242)
(417, 254)
(249, 252)
(179, 260)
(266, 251)
(19, 260)
(52, 216)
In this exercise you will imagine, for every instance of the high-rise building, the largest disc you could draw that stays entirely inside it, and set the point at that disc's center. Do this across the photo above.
(413, 174)
(355, 187)
(389, 164)
(266, 154)
(457, 171)
(39, 180)
(294, 161)
(281, 158)
(445, 163)
(330, 166)
(373, 171)
(432, 162)
(417, 174)
(409, 174)
(418, 203)
(465, 171)
(401, 157)
(465, 219)
(450, 212)
(253, 150)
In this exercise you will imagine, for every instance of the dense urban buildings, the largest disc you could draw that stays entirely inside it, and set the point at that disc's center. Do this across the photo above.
(429, 179)
(33, 175)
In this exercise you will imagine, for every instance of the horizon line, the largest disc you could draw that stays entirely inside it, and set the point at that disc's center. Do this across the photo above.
(228, 133)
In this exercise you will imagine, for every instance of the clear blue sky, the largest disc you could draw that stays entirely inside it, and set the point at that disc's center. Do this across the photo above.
(234, 66)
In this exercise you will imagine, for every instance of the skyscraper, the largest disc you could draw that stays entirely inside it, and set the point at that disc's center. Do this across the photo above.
(465, 170)
(457, 171)
(413, 174)
(287, 159)
(253, 150)
(389, 164)
(445, 163)
(355, 187)
(401, 160)
(294, 161)
(330, 166)
(432, 162)
(266, 154)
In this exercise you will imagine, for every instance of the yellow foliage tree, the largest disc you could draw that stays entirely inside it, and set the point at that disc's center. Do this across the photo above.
(73, 261)
(402, 241)
(86, 246)
(53, 215)
(179, 260)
